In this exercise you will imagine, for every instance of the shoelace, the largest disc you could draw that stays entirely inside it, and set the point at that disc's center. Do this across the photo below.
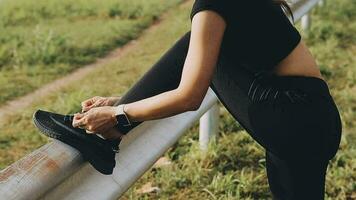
(68, 118)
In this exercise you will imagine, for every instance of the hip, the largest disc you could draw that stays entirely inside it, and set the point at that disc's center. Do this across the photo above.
(294, 108)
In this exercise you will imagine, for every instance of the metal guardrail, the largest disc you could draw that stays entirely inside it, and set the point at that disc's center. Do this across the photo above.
(57, 171)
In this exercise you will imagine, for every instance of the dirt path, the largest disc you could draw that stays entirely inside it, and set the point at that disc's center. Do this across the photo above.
(13, 106)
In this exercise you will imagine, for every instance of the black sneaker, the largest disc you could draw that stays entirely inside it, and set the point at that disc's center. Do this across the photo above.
(99, 152)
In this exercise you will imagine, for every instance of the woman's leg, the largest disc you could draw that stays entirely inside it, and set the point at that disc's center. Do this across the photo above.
(163, 76)
(296, 179)
(301, 129)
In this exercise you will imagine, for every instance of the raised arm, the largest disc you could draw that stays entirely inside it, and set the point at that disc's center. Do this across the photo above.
(204, 46)
(206, 35)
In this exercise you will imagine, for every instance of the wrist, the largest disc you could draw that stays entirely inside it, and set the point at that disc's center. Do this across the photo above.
(127, 109)
(113, 100)
(113, 113)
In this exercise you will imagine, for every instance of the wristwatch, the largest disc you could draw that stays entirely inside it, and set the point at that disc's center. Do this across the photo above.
(123, 121)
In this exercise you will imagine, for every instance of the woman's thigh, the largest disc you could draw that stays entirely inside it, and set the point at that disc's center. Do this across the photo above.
(164, 75)
(230, 83)
(299, 120)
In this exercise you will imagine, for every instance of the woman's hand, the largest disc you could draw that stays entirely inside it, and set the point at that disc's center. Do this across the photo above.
(112, 133)
(98, 101)
(96, 120)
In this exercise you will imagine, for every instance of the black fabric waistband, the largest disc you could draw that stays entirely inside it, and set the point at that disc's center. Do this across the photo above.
(308, 84)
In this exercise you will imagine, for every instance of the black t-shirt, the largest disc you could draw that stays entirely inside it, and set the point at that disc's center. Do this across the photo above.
(258, 33)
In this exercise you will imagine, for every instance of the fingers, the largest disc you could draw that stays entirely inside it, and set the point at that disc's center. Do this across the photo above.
(86, 104)
(96, 104)
(78, 120)
(78, 116)
(88, 107)
(92, 102)
(82, 120)
(98, 101)
(97, 120)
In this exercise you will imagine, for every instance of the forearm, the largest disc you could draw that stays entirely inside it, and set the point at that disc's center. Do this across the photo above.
(163, 105)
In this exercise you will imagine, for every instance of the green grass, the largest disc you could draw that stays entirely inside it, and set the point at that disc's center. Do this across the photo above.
(234, 166)
(43, 40)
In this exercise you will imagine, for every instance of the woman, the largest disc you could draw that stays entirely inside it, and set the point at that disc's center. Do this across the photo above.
(256, 62)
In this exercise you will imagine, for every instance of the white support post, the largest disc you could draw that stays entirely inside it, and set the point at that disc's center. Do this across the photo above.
(208, 126)
(321, 3)
(306, 22)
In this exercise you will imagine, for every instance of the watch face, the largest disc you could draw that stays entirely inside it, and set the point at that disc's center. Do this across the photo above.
(121, 119)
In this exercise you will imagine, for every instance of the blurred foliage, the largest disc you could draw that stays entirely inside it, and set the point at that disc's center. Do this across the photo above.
(49, 39)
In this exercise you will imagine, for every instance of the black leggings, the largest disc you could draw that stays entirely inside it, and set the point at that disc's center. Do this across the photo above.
(293, 117)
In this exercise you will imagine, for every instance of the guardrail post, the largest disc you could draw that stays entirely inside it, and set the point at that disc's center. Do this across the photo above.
(208, 126)
(306, 22)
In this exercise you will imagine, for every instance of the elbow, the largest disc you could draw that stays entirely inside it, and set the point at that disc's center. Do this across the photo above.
(188, 101)
(191, 103)
(195, 108)
(195, 105)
